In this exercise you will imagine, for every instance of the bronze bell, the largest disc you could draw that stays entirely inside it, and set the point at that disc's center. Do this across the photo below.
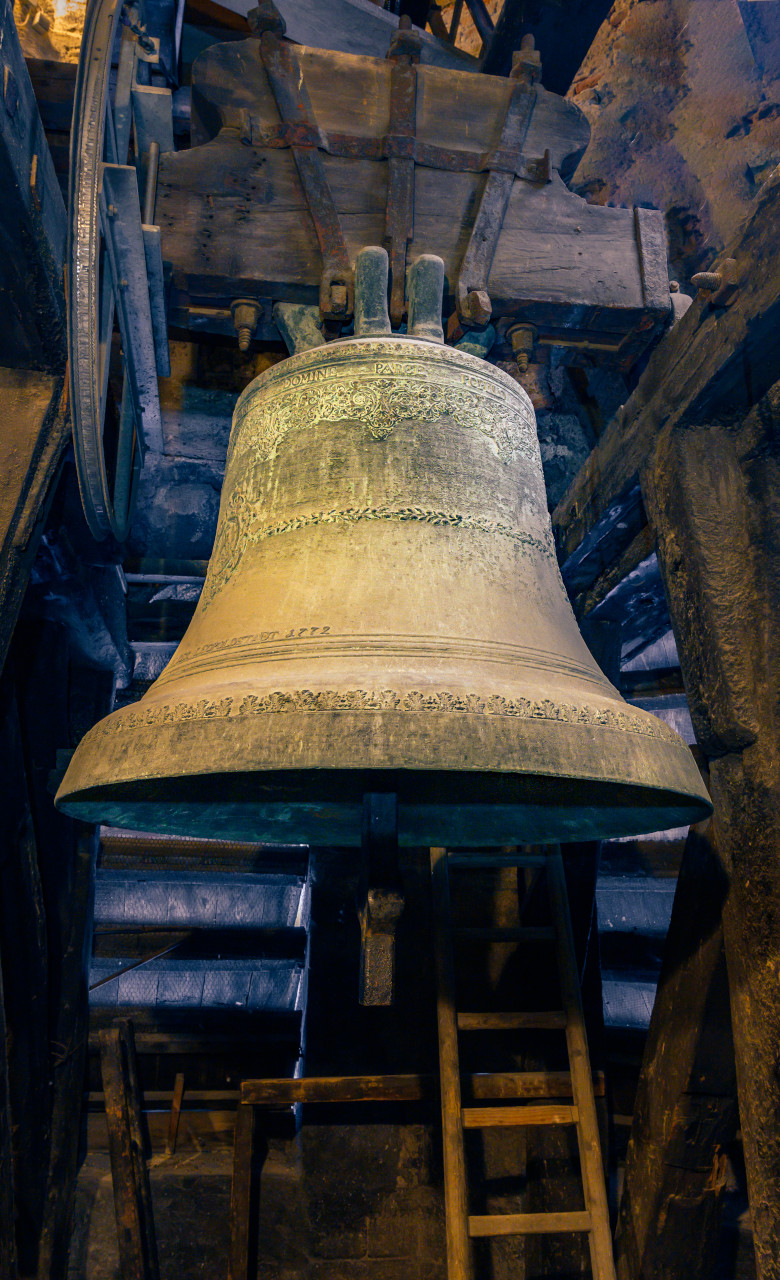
(383, 611)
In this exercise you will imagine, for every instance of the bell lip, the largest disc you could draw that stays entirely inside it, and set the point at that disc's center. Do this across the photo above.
(658, 777)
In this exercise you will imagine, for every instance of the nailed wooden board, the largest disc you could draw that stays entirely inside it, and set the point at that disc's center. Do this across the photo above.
(352, 95)
(234, 217)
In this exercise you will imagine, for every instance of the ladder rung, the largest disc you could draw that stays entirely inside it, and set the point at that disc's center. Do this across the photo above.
(528, 1224)
(525, 933)
(516, 1117)
(489, 860)
(527, 1084)
(554, 1020)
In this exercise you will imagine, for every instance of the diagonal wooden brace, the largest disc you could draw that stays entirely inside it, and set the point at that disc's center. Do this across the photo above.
(471, 293)
(285, 76)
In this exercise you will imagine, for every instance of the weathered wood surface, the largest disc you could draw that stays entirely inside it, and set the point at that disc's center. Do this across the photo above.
(34, 436)
(129, 1172)
(713, 358)
(24, 953)
(408, 1088)
(71, 1035)
(712, 495)
(32, 221)
(686, 1106)
(456, 1204)
(358, 26)
(248, 1154)
(8, 1258)
(588, 1140)
(580, 272)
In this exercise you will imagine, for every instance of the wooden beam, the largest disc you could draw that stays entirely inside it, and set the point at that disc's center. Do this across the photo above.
(7, 1197)
(637, 551)
(32, 221)
(129, 1172)
(35, 433)
(68, 1065)
(711, 492)
(713, 356)
(685, 1112)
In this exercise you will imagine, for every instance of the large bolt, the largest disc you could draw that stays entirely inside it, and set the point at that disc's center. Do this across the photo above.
(522, 338)
(246, 314)
(721, 284)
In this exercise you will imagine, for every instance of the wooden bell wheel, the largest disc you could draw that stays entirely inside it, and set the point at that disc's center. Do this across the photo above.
(104, 402)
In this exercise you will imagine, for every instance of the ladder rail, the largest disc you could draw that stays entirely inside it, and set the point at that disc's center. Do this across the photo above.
(456, 1215)
(591, 1164)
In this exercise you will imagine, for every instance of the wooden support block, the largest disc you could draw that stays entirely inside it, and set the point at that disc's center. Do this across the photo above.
(176, 1101)
(516, 1117)
(130, 1176)
(554, 1020)
(525, 933)
(527, 1224)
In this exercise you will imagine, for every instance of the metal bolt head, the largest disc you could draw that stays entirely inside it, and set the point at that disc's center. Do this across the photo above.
(338, 299)
(522, 337)
(246, 314)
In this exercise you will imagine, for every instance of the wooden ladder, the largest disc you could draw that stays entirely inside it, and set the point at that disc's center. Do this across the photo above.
(461, 1226)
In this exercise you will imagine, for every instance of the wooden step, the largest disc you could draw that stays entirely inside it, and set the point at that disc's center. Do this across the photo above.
(490, 860)
(528, 1224)
(522, 933)
(553, 1020)
(516, 1117)
(527, 1084)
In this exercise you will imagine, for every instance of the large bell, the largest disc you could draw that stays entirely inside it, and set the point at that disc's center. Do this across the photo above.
(383, 611)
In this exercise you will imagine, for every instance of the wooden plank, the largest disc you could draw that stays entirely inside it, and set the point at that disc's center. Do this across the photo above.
(516, 1117)
(32, 222)
(69, 1065)
(685, 1113)
(459, 1263)
(8, 1259)
(244, 1197)
(712, 356)
(487, 861)
(176, 1101)
(553, 1020)
(527, 1224)
(35, 434)
(528, 1084)
(638, 550)
(593, 1183)
(286, 1092)
(524, 933)
(130, 1176)
(23, 929)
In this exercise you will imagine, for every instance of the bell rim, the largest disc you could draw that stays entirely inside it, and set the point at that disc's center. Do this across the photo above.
(492, 759)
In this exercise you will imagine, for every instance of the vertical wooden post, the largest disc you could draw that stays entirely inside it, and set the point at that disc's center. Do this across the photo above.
(686, 1108)
(173, 1123)
(7, 1214)
(455, 1190)
(710, 491)
(593, 1183)
(248, 1151)
(130, 1176)
(72, 1036)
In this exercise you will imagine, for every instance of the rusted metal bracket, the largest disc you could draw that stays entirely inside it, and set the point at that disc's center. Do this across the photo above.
(399, 147)
(380, 900)
(285, 76)
(471, 293)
